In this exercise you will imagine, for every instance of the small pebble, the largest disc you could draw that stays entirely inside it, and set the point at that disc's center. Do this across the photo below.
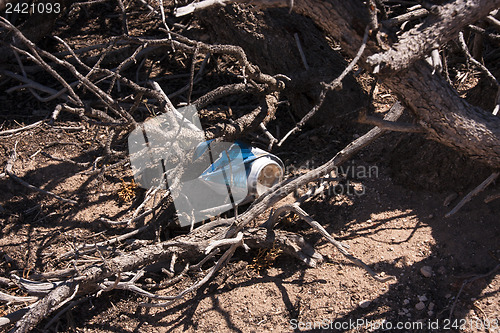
(447, 296)
(430, 313)
(422, 298)
(426, 271)
(442, 270)
(406, 301)
(364, 304)
(431, 306)
(420, 306)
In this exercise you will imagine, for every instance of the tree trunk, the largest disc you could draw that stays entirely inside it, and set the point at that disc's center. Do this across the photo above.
(447, 117)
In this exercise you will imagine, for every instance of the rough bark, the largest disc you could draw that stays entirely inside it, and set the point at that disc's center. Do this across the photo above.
(442, 25)
(448, 118)
(187, 248)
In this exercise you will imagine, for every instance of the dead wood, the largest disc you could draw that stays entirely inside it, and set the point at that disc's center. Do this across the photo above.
(191, 246)
(186, 248)
(446, 117)
(444, 23)
(473, 193)
(441, 114)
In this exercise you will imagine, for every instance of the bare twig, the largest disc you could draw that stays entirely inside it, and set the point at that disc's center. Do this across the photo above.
(390, 125)
(135, 217)
(331, 86)
(341, 247)
(413, 15)
(188, 45)
(222, 242)
(473, 193)
(437, 29)
(464, 47)
(492, 197)
(301, 51)
(224, 91)
(21, 129)
(466, 282)
(238, 241)
(272, 139)
(493, 21)
(87, 248)
(279, 191)
(42, 308)
(10, 299)
(36, 288)
(191, 74)
(483, 31)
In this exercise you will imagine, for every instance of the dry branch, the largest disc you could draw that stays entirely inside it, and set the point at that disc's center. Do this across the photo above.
(483, 31)
(195, 243)
(437, 29)
(446, 117)
(280, 191)
(492, 197)
(412, 15)
(187, 247)
(483, 68)
(88, 248)
(10, 299)
(341, 19)
(390, 125)
(327, 87)
(464, 47)
(473, 193)
(21, 129)
(43, 307)
(306, 217)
